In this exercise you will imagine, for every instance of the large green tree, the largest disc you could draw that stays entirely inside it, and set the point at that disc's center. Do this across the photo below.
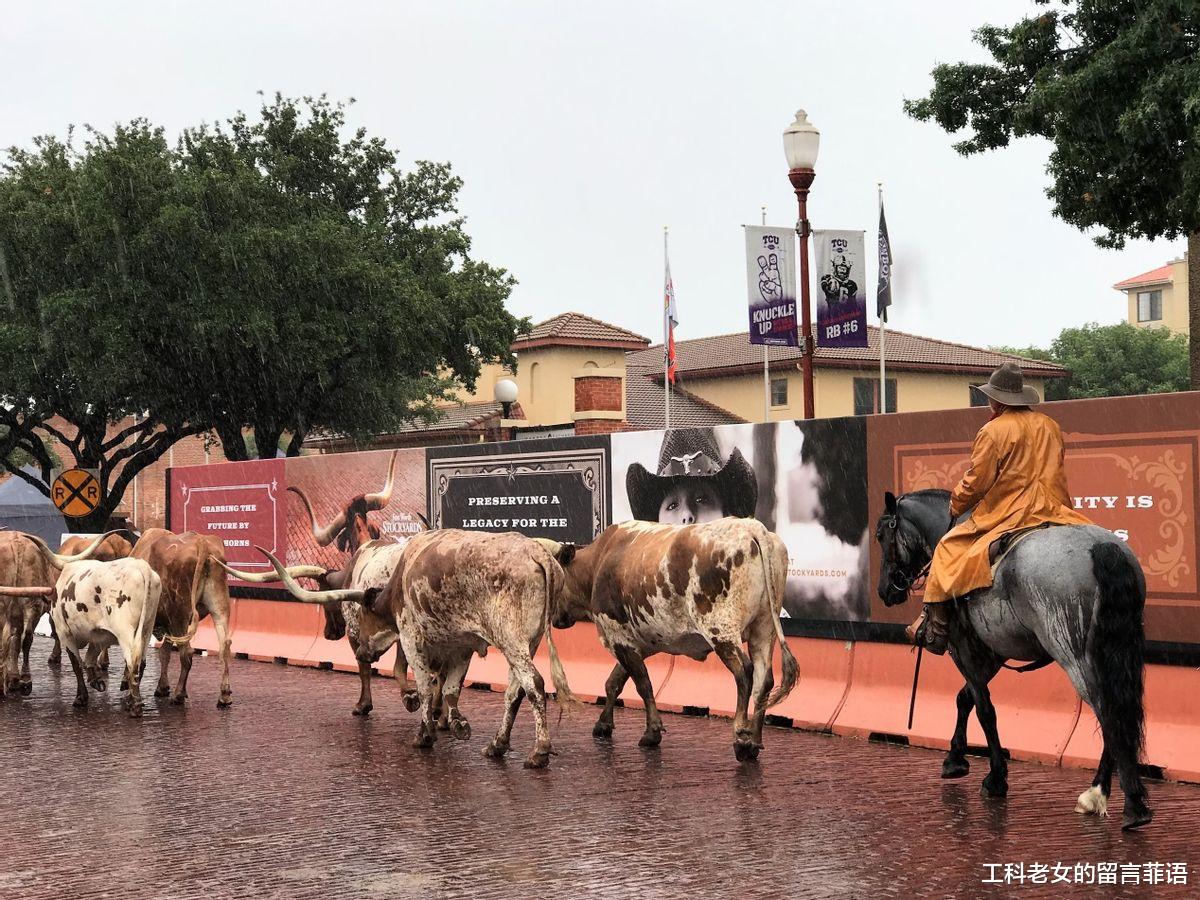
(1115, 86)
(1114, 361)
(261, 279)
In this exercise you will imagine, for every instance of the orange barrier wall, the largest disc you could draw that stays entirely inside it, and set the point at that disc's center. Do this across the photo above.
(852, 689)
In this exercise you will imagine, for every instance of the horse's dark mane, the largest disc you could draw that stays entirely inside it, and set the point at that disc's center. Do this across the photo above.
(937, 493)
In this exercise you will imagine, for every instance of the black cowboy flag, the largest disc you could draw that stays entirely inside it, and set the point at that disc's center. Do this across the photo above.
(883, 293)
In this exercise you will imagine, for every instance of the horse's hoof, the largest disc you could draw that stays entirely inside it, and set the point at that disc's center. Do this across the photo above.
(1136, 815)
(994, 787)
(955, 768)
(81, 702)
(494, 750)
(538, 759)
(745, 752)
(362, 710)
(1092, 802)
(162, 691)
(602, 730)
(460, 729)
(225, 701)
(26, 688)
(651, 738)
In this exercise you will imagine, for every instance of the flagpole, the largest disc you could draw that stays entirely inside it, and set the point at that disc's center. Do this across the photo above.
(882, 327)
(666, 348)
(766, 362)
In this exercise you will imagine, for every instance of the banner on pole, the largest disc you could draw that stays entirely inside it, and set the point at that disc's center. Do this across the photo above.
(842, 303)
(771, 283)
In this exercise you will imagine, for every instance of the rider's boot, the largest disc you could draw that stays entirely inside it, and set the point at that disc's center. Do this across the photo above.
(931, 628)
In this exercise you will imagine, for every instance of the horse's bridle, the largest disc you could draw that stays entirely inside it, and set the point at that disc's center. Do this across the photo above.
(901, 580)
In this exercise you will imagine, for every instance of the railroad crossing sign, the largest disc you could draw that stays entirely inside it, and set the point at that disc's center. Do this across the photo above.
(76, 492)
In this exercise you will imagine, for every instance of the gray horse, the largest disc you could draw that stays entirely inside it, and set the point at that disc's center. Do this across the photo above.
(1071, 594)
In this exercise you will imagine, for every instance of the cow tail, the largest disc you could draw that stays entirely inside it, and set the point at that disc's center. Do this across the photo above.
(553, 576)
(198, 577)
(776, 583)
(149, 612)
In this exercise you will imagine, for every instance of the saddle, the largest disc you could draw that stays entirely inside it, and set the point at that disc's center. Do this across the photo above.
(1005, 544)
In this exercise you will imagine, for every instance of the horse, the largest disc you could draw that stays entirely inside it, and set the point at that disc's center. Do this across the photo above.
(1070, 594)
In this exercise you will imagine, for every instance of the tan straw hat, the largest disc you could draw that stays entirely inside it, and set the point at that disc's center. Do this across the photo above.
(1007, 386)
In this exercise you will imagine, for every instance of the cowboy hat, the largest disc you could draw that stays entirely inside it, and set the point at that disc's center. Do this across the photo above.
(687, 454)
(1007, 386)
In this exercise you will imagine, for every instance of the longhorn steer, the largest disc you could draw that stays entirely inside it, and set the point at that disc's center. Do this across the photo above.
(25, 561)
(351, 528)
(454, 593)
(369, 635)
(689, 590)
(193, 587)
(97, 604)
(114, 546)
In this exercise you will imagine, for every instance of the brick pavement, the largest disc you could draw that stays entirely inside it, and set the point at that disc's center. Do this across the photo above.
(287, 795)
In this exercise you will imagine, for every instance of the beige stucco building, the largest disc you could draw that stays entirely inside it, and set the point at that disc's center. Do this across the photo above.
(578, 374)
(1158, 298)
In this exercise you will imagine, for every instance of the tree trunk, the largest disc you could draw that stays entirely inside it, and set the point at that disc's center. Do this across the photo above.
(1193, 294)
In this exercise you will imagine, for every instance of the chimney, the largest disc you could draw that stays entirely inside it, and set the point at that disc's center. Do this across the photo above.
(599, 401)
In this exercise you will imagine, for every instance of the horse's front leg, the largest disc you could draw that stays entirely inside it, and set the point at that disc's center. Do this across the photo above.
(979, 665)
(955, 765)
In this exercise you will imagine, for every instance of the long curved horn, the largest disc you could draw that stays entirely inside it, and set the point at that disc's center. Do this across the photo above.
(323, 536)
(271, 577)
(25, 591)
(384, 497)
(58, 560)
(353, 596)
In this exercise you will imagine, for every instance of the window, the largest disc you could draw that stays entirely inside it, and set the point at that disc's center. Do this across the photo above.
(977, 399)
(779, 388)
(1149, 306)
(866, 396)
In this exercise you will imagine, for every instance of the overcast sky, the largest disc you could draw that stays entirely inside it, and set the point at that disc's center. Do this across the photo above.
(581, 130)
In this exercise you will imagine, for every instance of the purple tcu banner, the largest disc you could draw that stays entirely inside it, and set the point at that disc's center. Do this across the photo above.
(771, 283)
(842, 301)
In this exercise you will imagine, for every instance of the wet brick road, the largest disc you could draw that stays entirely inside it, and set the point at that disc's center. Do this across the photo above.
(287, 795)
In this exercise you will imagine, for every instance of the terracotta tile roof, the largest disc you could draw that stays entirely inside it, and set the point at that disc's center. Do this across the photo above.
(576, 329)
(644, 404)
(1154, 276)
(729, 354)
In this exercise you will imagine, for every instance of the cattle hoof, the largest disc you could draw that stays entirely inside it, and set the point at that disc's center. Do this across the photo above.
(26, 688)
(412, 701)
(135, 711)
(994, 786)
(1136, 815)
(443, 725)
(362, 710)
(495, 750)
(225, 701)
(602, 730)
(81, 701)
(162, 691)
(953, 767)
(460, 729)
(538, 759)
(54, 662)
(179, 699)
(745, 751)
(650, 739)
(424, 739)
(98, 684)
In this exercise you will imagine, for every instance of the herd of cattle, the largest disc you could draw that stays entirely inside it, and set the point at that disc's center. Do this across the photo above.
(440, 597)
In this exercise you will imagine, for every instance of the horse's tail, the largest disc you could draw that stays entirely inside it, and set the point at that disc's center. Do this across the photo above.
(1116, 647)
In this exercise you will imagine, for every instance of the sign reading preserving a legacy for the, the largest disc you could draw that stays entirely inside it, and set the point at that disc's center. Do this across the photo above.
(556, 489)
(842, 292)
(771, 285)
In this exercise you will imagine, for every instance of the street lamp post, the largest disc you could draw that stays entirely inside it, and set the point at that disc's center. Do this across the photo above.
(505, 393)
(801, 141)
